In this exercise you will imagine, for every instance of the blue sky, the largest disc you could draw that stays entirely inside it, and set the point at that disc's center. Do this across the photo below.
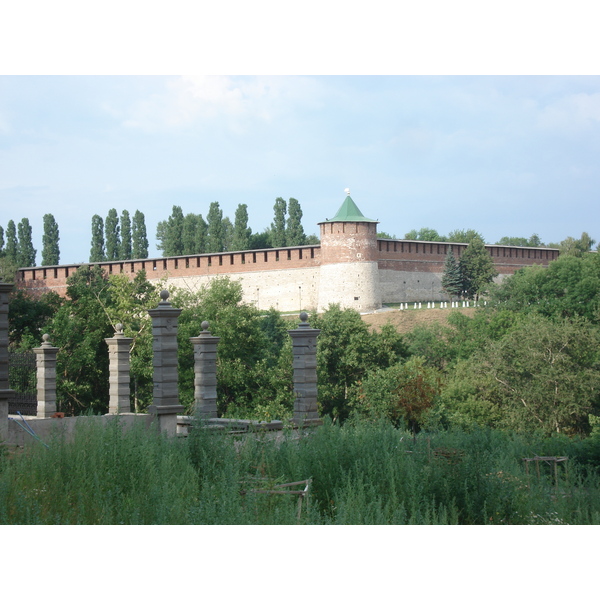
(505, 155)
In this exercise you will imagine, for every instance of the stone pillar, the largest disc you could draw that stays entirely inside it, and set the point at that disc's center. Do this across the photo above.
(205, 373)
(304, 348)
(118, 354)
(46, 377)
(166, 393)
(5, 393)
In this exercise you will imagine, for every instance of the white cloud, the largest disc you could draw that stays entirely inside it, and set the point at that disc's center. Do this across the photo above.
(237, 101)
(571, 114)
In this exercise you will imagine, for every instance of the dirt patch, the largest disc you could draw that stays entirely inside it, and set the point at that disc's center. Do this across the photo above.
(406, 320)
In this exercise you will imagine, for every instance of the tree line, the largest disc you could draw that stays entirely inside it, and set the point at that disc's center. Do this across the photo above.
(119, 239)
(569, 245)
(192, 234)
(16, 249)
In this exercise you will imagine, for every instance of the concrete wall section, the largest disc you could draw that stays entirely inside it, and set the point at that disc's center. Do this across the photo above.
(351, 285)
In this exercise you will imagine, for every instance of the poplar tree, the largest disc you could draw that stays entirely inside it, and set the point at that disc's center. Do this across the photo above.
(139, 236)
(227, 233)
(241, 231)
(294, 234)
(1, 241)
(50, 250)
(190, 228)
(170, 233)
(25, 250)
(11, 241)
(452, 282)
(125, 249)
(97, 249)
(214, 232)
(201, 228)
(111, 230)
(278, 226)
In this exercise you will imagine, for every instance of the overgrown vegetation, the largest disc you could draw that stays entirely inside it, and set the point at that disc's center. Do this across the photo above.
(361, 473)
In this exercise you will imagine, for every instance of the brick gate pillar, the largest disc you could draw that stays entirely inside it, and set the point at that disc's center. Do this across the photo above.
(118, 354)
(5, 393)
(46, 377)
(164, 346)
(205, 373)
(304, 348)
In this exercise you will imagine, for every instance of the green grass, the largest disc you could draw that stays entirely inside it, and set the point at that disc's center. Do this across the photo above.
(365, 473)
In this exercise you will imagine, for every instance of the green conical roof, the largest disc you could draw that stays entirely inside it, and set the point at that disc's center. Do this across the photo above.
(349, 212)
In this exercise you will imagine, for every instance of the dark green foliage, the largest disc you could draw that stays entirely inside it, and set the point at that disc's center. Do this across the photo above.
(452, 280)
(139, 236)
(477, 269)
(113, 236)
(254, 357)
(214, 231)
(227, 233)
(1, 241)
(28, 318)
(190, 230)
(462, 236)
(11, 242)
(259, 241)
(278, 237)
(424, 234)
(169, 233)
(50, 249)
(347, 351)
(79, 329)
(294, 233)
(533, 242)
(25, 250)
(568, 287)
(125, 251)
(241, 231)
(97, 249)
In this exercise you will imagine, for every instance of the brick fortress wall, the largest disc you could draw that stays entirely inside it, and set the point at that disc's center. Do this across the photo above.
(299, 277)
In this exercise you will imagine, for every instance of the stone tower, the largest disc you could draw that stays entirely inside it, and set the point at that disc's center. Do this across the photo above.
(349, 269)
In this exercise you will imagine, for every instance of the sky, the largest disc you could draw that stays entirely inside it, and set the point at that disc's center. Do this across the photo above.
(504, 155)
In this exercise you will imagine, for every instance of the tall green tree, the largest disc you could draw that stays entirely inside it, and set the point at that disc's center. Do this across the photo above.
(169, 233)
(97, 250)
(278, 237)
(452, 281)
(214, 232)
(294, 233)
(477, 268)
(25, 250)
(50, 250)
(139, 236)
(201, 229)
(1, 241)
(190, 226)
(227, 233)
(11, 242)
(112, 233)
(125, 250)
(241, 231)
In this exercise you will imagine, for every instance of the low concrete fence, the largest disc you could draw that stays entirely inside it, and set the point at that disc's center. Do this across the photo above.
(165, 409)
